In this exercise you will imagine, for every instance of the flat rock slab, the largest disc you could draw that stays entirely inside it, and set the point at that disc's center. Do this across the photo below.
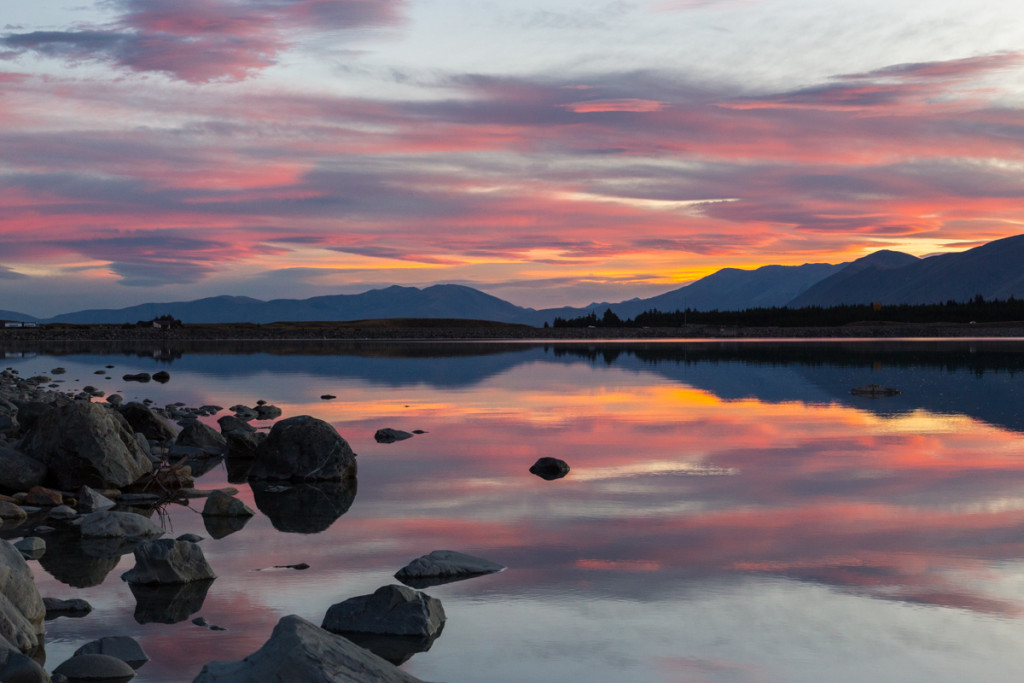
(125, 648)
(444, 566)
(390, 610)
(299, 651)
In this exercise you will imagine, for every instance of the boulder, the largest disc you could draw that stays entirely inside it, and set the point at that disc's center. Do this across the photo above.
(86, 443)
(444, 566)
(550, 468)
(388, 435)
(21, 607)
(267, 412)
(19, 472)
(390, 610)
(169, 561)
(303, 448)
(95, 667)
(241, 444)
(220, 504)
(124, 648)
(18, 668)
(203, 437)
(144, 420)
(11, 513)
(230, 423)
(299, 651)
(116, 524)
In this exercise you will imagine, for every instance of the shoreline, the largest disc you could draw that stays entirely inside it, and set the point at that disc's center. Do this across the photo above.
(449, 330)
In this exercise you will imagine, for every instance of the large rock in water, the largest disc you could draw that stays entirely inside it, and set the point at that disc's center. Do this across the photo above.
(299, 651)
(169, 561)
(303, 448)
(21, 607)
(390, 610)
(87, 443)
(148, 423)
(203, 437)
(117, 524)
(19, 472)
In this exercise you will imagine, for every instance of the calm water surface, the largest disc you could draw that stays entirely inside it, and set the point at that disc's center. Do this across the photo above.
(732, 513)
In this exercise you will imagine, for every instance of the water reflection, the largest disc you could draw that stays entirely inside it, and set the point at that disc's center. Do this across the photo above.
(732, 512)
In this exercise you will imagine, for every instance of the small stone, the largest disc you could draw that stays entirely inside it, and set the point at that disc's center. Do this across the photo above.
(62, 512)
(550, 468)
(328, 397)
(163, 376)
(388, 435)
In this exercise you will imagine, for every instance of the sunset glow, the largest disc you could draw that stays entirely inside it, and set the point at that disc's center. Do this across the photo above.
(241, 147)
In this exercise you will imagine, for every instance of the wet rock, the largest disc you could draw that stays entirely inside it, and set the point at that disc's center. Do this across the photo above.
(39, 496)
(298, 650)
(62, 513)
(19, 472)
(116, 524)
(391, 610)
(267, 412)
(170, 603)
(550, 468)
(163, 377)
(243, 445)
(115, 399)
(90, 500)
(21, 607)
(230, 423)
(124, 648)
(220, 504)
(144, 420)
(31, 547)
(203, 437)
(304, 508)
(169, 561)
(74, 608)
(18, 668)
(444, 566)
(95, 667)
(874, 391)
(12, 514)
(86, 443)
(303, 448)
(388, 435)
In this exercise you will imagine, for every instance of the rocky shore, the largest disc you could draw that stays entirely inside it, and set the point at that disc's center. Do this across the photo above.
(428, 329)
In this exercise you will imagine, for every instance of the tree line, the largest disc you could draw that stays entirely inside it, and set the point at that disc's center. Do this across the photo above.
(978, 310)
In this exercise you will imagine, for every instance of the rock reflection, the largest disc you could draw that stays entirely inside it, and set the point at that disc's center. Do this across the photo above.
(219, 527)
(168, 604)
(238, 469)
(304, 508)
(81, 563)
(395, 649)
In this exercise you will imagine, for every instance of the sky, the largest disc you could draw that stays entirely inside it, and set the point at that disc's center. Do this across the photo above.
(549, 153)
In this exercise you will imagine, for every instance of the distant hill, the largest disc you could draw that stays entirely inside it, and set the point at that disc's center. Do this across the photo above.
(994, 270)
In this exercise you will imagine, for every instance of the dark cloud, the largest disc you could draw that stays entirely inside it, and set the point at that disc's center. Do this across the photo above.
(203, 40)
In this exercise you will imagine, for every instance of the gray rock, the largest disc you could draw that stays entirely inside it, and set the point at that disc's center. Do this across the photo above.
(31, 547)
(75, 607)
(267, 412)
(230, 423)
(86, 443)
(443, 566)
(19, 472)
(303, 448)
(550, 468)
(243, 444)
(21, 607)
(124, 648)
(144, 420)
(18, 668)
(115, 399)
(220, 504)
(95, 667)
(201, 436)
(90, 500)
(116, 524)
(391, 610)
(388, 435)
(299, 651)
(169, 561)
(62, 512)
(11, 513)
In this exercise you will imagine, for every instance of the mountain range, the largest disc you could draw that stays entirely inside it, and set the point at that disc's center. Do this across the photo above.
(994, 270)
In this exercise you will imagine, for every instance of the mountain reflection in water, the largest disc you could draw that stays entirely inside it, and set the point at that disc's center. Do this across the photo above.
(732, 512)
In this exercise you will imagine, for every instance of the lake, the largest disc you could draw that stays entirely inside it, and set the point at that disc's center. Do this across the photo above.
(733, 513)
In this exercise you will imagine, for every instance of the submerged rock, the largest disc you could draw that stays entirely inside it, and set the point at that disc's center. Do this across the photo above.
(303, 448)
(299, 651)
(444, 566)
